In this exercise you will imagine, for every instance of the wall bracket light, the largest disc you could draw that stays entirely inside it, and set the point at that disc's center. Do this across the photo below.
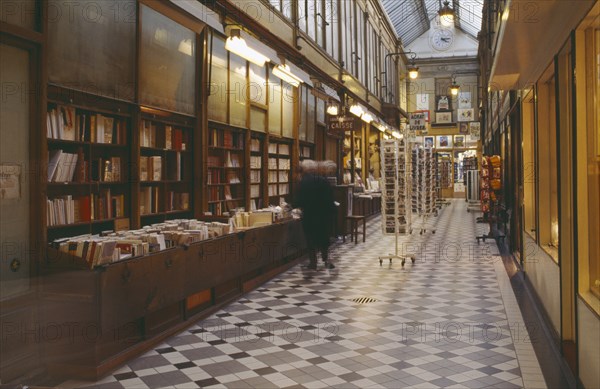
(237, 45)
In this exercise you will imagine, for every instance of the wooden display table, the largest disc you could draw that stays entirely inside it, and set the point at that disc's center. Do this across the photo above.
(106, 316)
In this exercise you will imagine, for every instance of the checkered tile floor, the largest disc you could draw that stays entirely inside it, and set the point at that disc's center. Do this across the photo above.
(438, 323)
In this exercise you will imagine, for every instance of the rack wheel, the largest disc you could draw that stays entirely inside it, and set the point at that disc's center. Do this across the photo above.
(412, 260)
(381, 262)
(468, 210)
(433, 232)
(403, 260)
(390, 260)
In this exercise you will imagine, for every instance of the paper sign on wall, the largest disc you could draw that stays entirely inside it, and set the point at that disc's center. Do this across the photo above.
(464, 100)
(10, 182)
(422, 102)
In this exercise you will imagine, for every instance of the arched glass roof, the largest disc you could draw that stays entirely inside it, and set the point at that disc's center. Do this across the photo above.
(412, 18)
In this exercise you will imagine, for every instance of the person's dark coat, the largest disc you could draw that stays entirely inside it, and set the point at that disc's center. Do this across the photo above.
(315, 198)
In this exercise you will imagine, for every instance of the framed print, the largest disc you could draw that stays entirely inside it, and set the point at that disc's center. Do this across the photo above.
(466, 115)
(464, 100)
(443, 117)
(475, 130)
(443, 103)
(463, 128)
(459, 141)
(443, 141)
(418, 120)
(428, 141)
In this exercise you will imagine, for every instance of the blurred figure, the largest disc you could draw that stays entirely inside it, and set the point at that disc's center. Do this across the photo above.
(315, 198)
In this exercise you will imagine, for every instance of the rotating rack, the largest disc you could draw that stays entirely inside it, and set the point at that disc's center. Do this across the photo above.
(423, 175)
(395, 190)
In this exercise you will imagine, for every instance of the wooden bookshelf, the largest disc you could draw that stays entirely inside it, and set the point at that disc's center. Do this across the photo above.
(256, 169)
(165, 167)
(88, 166)
(225, 180)
(279, 170)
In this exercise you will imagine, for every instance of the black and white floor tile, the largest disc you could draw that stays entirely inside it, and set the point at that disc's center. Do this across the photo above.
(440, 322)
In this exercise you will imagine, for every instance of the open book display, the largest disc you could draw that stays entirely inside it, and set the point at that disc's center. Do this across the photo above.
(98, 250)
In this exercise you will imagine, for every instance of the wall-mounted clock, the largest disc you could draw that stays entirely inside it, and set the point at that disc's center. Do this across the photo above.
(441, 39)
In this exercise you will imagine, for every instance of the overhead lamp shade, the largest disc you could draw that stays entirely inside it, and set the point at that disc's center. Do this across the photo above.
(356, 110)
(237, 45)
(284, 72)
(454, 88)
(367, 117)
(332, 109)
(413, 71)
(446, 15)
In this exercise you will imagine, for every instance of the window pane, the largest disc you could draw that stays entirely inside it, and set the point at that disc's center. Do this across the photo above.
(237, 90)
(302, 100)
(257, 89)
(310, 118)
(274, 90)
(258, 119)
(321, 111)
(167, 63)
(287, 8)
(310, 18)
(103, 67)
(301, 16)
(217, 99)
(288, 110)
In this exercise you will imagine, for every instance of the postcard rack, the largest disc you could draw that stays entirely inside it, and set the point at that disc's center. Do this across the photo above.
(395, 185)
(424, 190)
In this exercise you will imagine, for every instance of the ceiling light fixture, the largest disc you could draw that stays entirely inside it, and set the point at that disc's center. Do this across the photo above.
(367, 117)
(454, 87)
(237, 45)
(446, 14)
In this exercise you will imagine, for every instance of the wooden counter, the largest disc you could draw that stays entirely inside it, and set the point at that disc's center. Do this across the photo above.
(96, 320)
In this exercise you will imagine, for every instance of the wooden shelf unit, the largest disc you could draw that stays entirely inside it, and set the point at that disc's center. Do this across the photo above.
(226, 169)
(165, 169)
(256, 169)
(88, 182)
(279, 170)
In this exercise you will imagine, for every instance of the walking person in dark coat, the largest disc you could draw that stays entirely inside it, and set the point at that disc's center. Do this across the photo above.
(315, 198)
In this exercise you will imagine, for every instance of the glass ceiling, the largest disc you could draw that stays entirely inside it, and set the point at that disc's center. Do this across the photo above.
(412, 18)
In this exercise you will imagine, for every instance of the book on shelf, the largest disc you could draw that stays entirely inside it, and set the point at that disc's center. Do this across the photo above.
(155, 168)
(284, 149)
(168, 137)
(149, 200)
(66, 167)
(178, 201)
(232, 177)
(254, 190)
(227, 192)
(255, 162)
(272, 148)
(255, 176)
(143, 168)
(255, 145)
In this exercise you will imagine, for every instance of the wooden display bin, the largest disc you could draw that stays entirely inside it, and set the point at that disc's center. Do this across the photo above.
(106, 316)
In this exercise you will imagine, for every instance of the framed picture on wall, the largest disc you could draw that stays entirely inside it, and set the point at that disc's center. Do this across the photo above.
(443, 117)
(429, 141)
(466, 115)
(459, 141)
(463, 128)
(443, 103)
(475, 130)
(443, 141)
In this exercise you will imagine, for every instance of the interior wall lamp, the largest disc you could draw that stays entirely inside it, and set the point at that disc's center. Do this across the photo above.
(237, 45)
(446, 14)
(284, 72)
(413, 69)
(332, 108)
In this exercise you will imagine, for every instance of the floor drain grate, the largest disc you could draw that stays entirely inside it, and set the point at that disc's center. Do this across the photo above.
(364, 300)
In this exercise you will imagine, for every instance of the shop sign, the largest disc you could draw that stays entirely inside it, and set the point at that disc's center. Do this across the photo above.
(418, 121)
(344, 123)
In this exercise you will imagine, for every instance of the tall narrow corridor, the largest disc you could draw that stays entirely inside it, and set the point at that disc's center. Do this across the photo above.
(450, 320)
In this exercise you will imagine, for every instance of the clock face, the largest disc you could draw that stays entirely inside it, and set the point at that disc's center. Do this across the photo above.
(441, 39)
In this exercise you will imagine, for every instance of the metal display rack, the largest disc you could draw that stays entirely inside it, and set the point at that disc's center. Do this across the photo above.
(423, 175)
(395, 193)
